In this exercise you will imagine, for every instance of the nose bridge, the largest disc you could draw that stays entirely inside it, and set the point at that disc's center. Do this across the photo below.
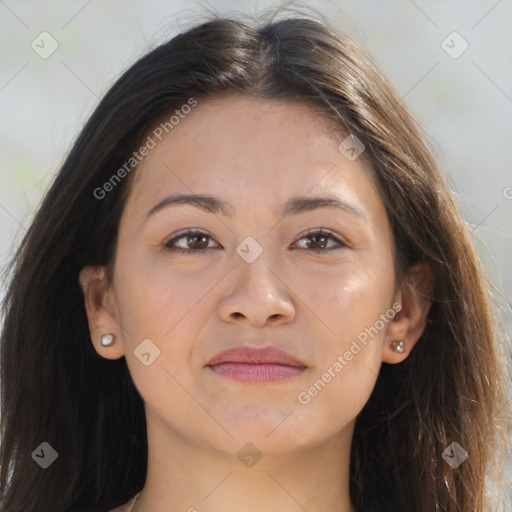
(257, 292)
(258, 267)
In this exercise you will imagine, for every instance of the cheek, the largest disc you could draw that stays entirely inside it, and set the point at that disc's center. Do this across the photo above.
(334, 398)
(169, 306)
(348, 298)
(154, 298)
(348, 302)
(158, 305)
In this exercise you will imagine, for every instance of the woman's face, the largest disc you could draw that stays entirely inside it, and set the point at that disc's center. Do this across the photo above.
(260, 279)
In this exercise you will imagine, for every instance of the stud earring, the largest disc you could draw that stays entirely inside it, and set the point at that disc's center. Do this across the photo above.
(398, 346)
(107, 340)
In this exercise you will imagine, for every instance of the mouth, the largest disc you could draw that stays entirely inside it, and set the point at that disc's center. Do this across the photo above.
(256, 373)
(256, 365)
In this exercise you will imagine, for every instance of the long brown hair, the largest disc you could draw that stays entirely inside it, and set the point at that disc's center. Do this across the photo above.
(56, 389)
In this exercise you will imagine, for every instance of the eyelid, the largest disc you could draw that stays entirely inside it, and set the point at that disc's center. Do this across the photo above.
(324, 231)
(188, 231)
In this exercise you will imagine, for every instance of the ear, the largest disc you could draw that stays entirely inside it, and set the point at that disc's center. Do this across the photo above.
(414, 294)
(101, 311)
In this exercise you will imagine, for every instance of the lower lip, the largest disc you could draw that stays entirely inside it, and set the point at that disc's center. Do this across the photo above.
(257, 373)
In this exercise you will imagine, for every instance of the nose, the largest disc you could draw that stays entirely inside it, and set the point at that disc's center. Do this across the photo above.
(257, 294)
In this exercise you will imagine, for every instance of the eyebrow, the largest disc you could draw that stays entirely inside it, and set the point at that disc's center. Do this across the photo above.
(293, 206)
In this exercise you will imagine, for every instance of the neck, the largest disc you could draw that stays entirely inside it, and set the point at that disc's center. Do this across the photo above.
(194, 476)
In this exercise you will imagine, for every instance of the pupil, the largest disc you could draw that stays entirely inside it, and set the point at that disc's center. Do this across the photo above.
(315, 239)
(196, 237)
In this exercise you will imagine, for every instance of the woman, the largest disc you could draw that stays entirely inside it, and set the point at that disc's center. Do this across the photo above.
(249, 288)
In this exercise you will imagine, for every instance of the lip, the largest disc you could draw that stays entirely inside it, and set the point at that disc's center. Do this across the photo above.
(257, 365)
(253, 355)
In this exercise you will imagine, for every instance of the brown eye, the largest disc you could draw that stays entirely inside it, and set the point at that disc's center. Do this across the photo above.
(319, 240)
(197, 241)
(192, 241)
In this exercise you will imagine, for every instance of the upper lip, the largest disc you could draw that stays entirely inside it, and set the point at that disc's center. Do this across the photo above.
(252, 355)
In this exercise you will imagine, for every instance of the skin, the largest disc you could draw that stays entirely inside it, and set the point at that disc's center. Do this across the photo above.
(253, 154)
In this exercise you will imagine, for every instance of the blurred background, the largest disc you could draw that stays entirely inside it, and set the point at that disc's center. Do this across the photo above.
(451, 62)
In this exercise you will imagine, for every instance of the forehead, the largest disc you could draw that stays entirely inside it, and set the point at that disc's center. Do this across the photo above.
(250, 150)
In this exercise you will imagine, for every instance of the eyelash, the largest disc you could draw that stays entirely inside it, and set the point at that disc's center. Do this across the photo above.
(309, 233)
